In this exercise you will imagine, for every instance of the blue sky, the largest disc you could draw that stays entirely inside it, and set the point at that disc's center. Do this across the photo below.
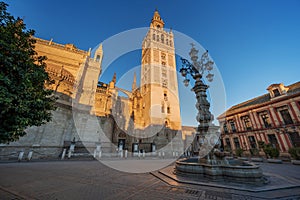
(253, 43)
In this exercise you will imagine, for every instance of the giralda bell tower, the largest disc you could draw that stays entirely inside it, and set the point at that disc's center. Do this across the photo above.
(159, 86)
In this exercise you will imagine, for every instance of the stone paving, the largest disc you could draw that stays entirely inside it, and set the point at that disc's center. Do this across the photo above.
(93, 180)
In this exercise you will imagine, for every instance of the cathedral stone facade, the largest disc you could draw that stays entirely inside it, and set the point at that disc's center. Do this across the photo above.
(92, 115)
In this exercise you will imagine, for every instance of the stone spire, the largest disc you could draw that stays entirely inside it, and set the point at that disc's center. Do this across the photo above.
(113, 81)
(134, 82)
(156, 21)
(99, 54)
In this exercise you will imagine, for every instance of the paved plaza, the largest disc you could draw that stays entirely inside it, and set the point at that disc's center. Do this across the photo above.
(93, 180)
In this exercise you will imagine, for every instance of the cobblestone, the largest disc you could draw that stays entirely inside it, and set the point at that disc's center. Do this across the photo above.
(93, 180)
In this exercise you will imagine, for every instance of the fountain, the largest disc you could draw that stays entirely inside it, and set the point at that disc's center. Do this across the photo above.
(220, 169)
(209, 161)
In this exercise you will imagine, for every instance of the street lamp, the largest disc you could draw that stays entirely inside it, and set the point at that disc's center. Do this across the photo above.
(196, 67)
(196, 70)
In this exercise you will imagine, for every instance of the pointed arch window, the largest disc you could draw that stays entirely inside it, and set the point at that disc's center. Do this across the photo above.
(166, 123)
(98, 58)
(165, 96)
(162, 38)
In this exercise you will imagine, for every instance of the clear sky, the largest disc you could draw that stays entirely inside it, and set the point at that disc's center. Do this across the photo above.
(253, 43)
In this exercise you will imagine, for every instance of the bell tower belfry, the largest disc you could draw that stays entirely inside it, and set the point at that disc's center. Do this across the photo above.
(159, 86)
(156, 21)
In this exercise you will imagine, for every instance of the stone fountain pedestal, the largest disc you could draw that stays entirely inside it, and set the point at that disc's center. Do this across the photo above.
(233, 170)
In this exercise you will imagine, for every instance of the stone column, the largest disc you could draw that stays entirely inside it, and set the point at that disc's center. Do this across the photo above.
(238, 125)
(252, 119)
(274, 116)
(295, 116)
(256, 119)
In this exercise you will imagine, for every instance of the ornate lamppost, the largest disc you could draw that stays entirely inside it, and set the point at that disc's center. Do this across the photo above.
(196, 70)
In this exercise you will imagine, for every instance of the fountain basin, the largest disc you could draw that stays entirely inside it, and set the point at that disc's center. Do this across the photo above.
(234, 170)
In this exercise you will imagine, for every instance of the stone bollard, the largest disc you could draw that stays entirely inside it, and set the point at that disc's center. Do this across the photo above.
(29, 156)
(63, 154)
(72, 148)
(69, 154)
(139, 154)
(21, 154)
(173, 154)
(176, 154)
(163, 154)
(100, 154)
(121, 153)
(126, 152)
(159, 154)
(144, 154)
(95, 153)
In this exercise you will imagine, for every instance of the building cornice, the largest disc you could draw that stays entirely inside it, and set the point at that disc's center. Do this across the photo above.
(61, 46)
(230, 113)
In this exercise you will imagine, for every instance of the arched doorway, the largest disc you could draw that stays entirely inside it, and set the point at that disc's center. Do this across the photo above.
(121, 141)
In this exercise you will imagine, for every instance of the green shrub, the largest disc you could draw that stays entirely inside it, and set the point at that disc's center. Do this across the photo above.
(254, 152)
(261, 144)
(295, 153)
(270, 151)
(227, 148)
(275, 153)
(239, 152)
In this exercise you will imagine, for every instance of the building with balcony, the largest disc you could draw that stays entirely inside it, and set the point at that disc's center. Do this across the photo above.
(272, 118)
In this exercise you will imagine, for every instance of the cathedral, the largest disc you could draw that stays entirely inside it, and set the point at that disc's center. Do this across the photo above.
(92, 114)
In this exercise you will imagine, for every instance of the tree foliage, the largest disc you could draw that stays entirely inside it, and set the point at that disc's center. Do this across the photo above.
(24, 101)
(239, 152)
(295, 153)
